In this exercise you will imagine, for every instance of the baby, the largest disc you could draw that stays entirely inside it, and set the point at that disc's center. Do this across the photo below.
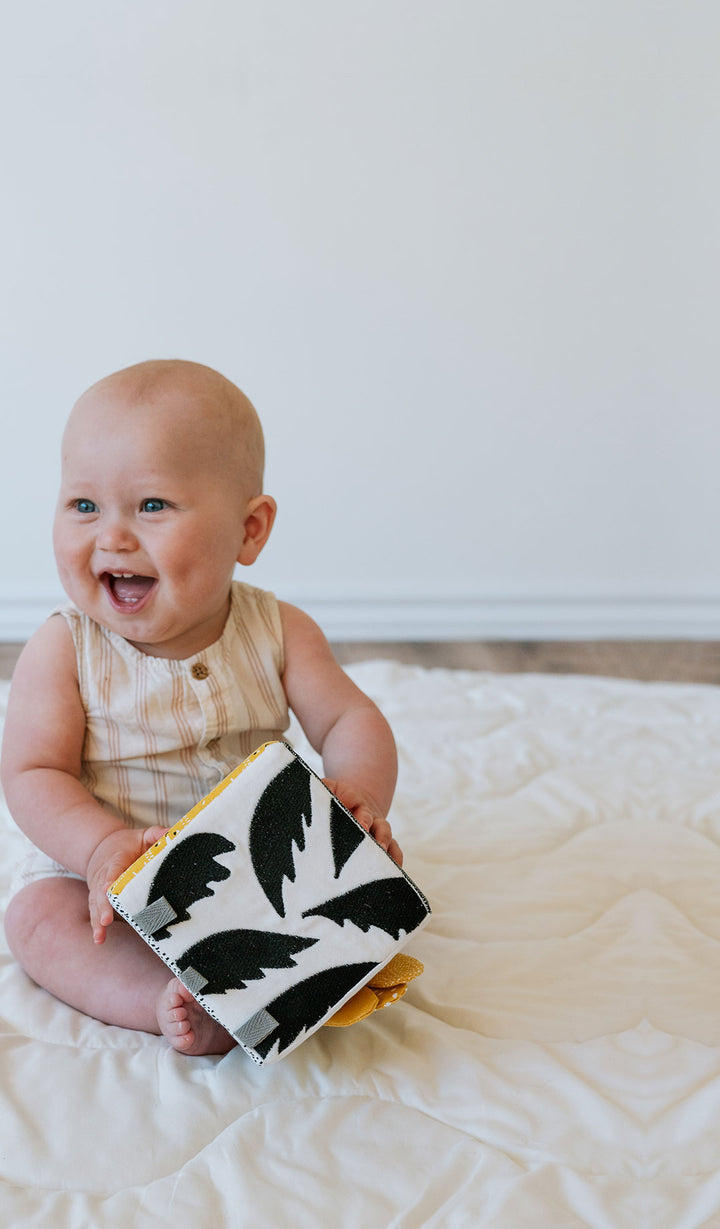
(128, 705)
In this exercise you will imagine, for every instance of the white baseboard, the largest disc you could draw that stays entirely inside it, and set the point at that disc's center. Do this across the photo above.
(518, 618)
(462, 618)
(21, 615)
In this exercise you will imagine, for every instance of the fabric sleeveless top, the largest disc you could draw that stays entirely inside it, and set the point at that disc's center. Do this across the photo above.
(162, 733)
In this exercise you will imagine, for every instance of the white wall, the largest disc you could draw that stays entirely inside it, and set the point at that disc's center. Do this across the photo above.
(463, 257)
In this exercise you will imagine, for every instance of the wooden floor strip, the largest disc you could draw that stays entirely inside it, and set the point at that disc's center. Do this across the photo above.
(686, 661)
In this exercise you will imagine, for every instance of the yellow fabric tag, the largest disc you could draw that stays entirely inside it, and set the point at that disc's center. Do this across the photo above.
(385, 987)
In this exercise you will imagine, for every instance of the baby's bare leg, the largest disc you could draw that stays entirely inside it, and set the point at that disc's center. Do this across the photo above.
(120, 981)
(48, 929)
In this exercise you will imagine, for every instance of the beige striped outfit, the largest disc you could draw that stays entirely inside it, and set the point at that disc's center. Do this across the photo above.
(162, 733)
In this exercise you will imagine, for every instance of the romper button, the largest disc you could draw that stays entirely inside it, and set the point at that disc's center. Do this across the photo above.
(199, 670)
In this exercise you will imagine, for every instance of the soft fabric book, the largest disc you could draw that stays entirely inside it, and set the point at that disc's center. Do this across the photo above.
(271, 903)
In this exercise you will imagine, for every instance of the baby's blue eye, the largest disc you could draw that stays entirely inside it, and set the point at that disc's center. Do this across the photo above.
(153, 505)
(85, 505)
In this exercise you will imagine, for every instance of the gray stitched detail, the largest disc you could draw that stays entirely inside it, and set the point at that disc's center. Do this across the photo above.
(193, 980)
(154, 916)
(256, 1029)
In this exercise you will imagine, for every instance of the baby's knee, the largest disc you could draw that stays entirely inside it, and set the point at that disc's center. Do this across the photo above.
(29, 914)
(24, 914)
(19, 923)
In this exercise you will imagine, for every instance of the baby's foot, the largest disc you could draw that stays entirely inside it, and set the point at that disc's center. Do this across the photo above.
(187, 1026)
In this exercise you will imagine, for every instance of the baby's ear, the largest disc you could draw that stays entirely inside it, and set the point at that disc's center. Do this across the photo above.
(259, 517)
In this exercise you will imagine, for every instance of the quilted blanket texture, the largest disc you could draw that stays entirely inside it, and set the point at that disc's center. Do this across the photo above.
(558, 1063)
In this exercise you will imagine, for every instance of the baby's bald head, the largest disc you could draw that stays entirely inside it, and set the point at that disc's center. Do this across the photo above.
(205, 414)
(161, 489)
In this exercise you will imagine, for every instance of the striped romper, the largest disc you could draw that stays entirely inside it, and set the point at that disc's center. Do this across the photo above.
(161, 733)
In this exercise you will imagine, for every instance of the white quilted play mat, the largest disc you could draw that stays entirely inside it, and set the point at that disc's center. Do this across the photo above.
(557, 1066)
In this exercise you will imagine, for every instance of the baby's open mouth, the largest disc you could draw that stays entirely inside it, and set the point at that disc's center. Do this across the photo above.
(126, 590)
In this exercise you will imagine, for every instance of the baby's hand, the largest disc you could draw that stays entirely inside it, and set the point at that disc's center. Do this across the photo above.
(368, 814)
(111, 857)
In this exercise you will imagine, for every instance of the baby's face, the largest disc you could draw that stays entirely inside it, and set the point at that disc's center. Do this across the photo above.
(149, 524)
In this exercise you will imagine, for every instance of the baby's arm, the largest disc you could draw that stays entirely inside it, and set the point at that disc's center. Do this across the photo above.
(343, 724)
(41, 768)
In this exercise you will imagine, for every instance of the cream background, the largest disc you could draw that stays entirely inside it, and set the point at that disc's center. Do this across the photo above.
(463, 257)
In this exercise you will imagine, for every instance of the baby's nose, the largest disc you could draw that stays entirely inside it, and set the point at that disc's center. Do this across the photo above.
(115, 534)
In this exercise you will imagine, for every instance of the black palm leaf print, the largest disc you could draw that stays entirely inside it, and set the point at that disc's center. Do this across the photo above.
(392, 905)
(228, 959)
(278, 823)
(185, 875)
(345, 835)
(305, 1003)
(320, 855)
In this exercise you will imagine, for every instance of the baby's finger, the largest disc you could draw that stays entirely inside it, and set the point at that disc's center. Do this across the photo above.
(151, 835)
(395, 852)
(384, 837)
(101, 915)
(382, 832)
(347, 796)
(364, 816)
